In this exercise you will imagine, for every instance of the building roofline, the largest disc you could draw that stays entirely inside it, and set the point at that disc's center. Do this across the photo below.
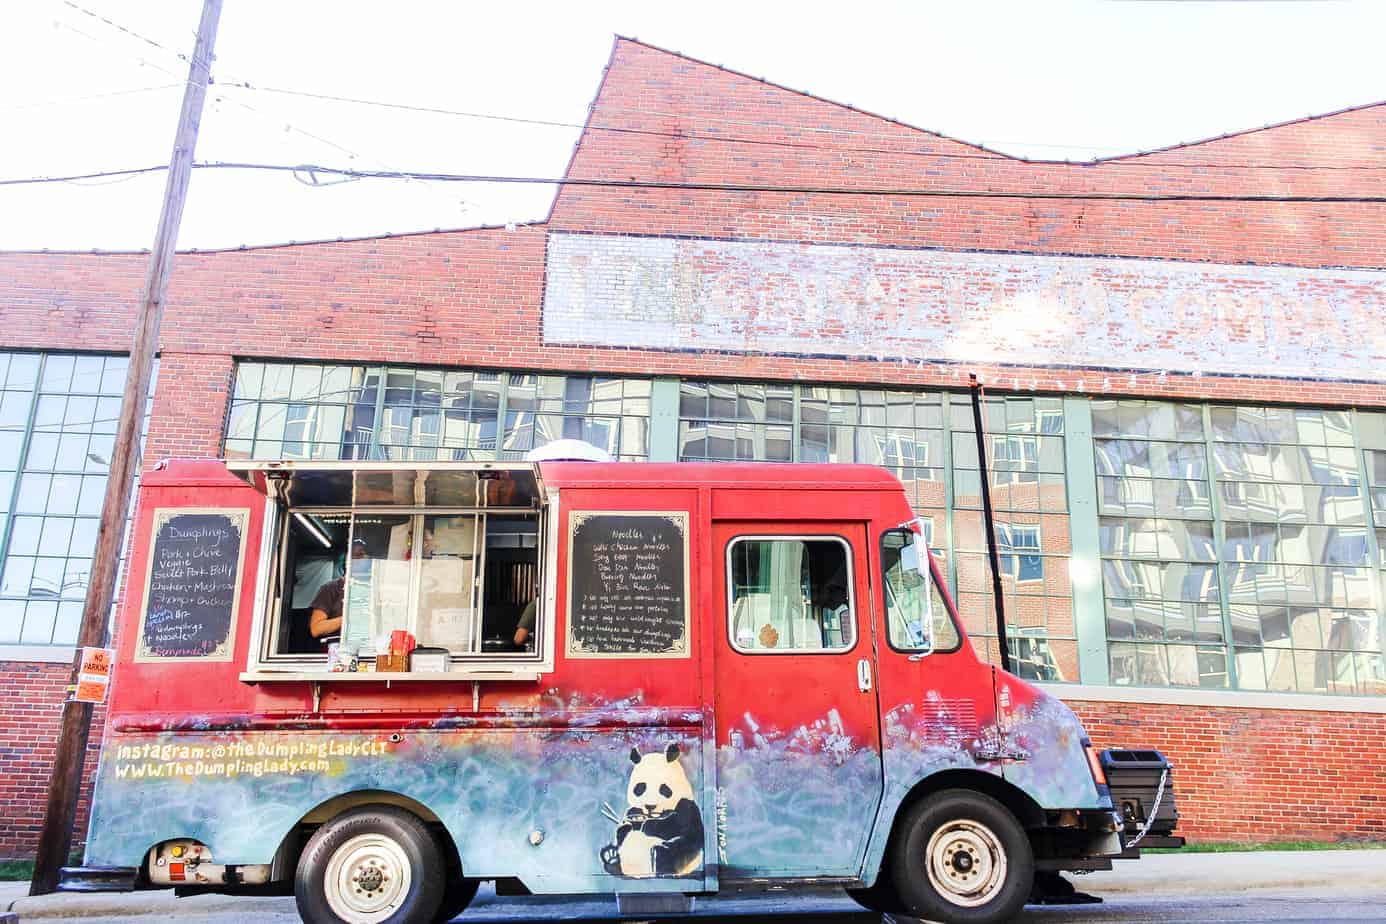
(978, 145)
(587, 122)
(386, 236)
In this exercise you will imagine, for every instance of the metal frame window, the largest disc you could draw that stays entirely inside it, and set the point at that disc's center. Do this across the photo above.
(749, 578)
(58, 416)
(1026, 439)
(404, 413)
(1235, 547)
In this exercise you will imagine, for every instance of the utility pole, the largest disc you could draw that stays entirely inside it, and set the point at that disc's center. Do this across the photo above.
(976, 388)
(55, 840)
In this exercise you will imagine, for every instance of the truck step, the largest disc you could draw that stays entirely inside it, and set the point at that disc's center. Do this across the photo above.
(660, 903)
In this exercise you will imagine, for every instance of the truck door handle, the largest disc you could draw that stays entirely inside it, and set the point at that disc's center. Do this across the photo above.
(864, 675)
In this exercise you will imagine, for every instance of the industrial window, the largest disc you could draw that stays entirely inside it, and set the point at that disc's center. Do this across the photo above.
(311, 411)
(1019, 545)
(926, 438)
(790, 594)
(58, 416)
(1025, 439)
(1235, 548)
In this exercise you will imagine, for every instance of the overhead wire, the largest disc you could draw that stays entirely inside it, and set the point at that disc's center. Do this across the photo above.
(988, 156)
(991, 157)
(288, 126)
(40, 104)
(599, 182)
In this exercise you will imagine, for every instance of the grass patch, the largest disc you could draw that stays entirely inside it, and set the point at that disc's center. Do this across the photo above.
(16, 870)
(1221, 847)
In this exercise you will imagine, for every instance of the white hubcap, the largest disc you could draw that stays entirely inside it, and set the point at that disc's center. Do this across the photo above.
(367, 879)
(966, 863)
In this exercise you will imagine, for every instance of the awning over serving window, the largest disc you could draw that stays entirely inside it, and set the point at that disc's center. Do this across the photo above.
(491, 485)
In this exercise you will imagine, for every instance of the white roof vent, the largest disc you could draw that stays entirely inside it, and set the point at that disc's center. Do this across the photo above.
(568, 451)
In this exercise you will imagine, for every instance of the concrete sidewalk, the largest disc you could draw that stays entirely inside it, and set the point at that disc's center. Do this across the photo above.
(1160, 875)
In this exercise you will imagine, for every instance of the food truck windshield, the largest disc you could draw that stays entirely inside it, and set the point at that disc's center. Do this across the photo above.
(452, 557)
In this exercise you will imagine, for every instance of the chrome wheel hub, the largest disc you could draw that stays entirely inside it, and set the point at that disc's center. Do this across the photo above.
(367, 879)
(966, 863)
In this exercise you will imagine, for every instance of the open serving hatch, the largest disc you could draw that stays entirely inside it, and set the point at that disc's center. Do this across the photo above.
(453, 552)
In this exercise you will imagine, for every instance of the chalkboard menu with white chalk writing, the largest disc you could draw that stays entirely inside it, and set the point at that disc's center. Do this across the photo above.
(193, 584)
(628, 585)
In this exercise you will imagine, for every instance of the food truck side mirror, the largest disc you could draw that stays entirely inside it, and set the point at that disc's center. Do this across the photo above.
(908, 585)
(922, 626)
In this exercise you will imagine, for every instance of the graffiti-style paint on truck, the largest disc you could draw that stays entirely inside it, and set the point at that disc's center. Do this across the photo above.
(628, 678)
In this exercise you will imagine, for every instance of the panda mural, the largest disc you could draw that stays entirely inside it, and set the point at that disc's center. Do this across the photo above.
(662, 831)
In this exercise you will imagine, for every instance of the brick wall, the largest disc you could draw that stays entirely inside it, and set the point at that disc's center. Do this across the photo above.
(1247, 775)
(30, 698)
(740, 130)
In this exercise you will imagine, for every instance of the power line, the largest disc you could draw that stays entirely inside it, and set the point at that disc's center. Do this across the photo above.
(94, 96)
(996, 157)
(873, 192)
(288, 126)
(102, 174)
(138, 36)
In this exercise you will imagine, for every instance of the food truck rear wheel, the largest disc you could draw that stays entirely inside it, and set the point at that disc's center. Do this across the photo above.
(369, 865)
(457, 892)
(880, 896)
(962, 858)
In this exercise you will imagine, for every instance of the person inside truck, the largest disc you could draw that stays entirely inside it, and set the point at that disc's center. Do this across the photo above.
(524, 629)
(325, 617)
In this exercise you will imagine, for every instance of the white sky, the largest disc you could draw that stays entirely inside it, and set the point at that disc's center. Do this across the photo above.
(1059, 78)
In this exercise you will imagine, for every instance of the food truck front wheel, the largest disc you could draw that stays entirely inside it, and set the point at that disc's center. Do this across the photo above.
(370, 864)
(961, 858)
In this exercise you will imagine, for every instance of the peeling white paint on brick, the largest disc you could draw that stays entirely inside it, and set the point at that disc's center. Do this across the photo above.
(867, 302)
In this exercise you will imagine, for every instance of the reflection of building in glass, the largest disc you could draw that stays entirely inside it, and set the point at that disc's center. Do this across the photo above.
(301, 411)
(1241, 525)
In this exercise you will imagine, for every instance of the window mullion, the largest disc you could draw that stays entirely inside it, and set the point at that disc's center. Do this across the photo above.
(502, 409)
(795, 448)
(949, 492)
(1375, 562)
(19, 478)
(373, 450)
(1219, 543)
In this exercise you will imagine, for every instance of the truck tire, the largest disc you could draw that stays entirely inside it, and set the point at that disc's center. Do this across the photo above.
(376, 864)
(879, 897)
(457, 895)
(961, 857)
(457, 891)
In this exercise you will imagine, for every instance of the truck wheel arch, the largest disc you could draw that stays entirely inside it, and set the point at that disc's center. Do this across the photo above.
(1026, 810)
(296, 838)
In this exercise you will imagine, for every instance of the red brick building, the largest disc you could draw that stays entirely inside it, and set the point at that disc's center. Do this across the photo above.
(1187, 425)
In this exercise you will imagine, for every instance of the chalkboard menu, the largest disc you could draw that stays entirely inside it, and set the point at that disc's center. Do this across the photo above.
(193, 584)
(628, 585)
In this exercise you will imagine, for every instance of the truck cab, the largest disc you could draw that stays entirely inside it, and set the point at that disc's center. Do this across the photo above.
(731, 676)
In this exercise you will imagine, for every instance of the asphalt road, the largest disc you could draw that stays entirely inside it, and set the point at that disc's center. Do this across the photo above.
(1308, 906)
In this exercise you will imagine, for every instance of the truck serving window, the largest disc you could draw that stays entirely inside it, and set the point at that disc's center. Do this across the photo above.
(460, 581)
(911, 596)
(452, 553)
(790, 594)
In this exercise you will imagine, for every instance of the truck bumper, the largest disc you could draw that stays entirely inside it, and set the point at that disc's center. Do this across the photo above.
(97, 879)
(1142, 786)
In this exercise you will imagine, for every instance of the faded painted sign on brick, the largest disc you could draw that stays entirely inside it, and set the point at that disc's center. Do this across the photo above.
(873, 302)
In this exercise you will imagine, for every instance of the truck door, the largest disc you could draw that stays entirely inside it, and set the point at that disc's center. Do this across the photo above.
(798, 734)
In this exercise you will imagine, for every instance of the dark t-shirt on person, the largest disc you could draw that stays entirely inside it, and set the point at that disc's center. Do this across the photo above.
(329, 599)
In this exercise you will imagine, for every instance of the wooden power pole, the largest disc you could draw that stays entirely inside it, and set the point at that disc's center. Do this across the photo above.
(55, 840)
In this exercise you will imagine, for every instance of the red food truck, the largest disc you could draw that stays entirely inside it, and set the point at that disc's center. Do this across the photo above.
(648, 680)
